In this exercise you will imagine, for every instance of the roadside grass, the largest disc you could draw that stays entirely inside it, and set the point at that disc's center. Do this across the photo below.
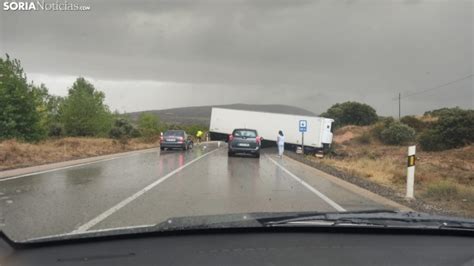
(382, 171)
(444, 179)
(364, 138)
(16, 154)
(450, 195)
(442, 189)
(446, 190)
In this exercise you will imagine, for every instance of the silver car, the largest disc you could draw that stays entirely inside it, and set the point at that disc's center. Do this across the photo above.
(175, 139)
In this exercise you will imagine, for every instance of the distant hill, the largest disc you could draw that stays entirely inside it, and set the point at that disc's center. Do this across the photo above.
(202, 114)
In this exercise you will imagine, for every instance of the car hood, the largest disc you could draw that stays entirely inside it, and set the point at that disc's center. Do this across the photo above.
(379, 218)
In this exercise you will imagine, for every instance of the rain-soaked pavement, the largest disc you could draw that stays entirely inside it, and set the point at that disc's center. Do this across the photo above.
(148, 188)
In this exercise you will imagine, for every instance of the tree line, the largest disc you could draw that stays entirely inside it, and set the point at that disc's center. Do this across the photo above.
(29, 113)
(440, 129)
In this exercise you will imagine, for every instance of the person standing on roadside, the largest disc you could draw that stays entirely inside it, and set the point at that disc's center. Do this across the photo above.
(280, 143)
(199, 135)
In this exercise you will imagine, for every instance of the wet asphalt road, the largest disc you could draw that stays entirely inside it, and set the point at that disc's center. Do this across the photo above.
(149, 188)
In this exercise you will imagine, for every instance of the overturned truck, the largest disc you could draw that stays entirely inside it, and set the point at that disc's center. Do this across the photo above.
(318, 135)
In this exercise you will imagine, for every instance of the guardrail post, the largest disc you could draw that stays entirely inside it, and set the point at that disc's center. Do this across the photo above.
(411, 172)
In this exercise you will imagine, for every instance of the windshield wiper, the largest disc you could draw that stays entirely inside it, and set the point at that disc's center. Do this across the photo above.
(313, 216)
(374, 218)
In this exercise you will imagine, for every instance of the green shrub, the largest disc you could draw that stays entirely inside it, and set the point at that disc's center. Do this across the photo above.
(397, 134)
(115, 133)
(380, 126)
(149, 126)
(122, 130)
(443, 111)
(135, 133)
(414, 123)
(431, 140)
(453, 129)
(377, 129)
(56, 130)
(351, 113)
(387, 121)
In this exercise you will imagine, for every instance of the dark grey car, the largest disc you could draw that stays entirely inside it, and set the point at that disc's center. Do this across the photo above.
(175, 139)
(243, 140)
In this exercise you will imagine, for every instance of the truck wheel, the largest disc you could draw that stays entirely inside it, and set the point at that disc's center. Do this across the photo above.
(162, 149)
(230, 154)
(257, 155)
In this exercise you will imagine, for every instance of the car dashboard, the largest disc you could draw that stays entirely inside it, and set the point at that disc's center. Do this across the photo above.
(252, 247)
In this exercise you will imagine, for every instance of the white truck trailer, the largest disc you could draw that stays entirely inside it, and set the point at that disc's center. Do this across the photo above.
(317, 136)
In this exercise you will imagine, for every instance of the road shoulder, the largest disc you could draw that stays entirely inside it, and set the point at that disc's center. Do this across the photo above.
(363, 192)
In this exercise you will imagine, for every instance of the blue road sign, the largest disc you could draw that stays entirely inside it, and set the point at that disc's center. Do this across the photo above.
(303, 125)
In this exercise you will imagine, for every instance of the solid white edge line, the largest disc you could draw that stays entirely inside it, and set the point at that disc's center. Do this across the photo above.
(74, 165)
(83, 228)
(308, 186)
(56, 169)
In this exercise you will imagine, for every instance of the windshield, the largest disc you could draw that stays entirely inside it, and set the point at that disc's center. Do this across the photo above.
(245, 133)
(124, 114)
(174, 133)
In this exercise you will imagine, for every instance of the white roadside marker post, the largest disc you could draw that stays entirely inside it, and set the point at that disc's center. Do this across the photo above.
(411, 172)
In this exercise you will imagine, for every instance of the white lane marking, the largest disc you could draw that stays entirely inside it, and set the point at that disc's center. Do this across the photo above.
(308, 186)
(83, 228)
(56, 169)
(71, 166)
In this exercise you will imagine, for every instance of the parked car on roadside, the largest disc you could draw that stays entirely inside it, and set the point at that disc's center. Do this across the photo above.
(243, 140)
(176, 139)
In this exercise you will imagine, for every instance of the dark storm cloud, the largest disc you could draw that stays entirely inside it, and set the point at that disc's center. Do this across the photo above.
(307, 53)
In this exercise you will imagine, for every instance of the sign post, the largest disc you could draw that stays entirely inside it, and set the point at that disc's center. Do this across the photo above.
(303, 126)
(411, 172)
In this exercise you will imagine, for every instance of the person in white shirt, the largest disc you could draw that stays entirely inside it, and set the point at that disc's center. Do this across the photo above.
(280, 143)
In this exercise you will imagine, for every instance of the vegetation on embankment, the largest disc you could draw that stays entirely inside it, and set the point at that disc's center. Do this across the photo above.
(375, 150)
(444, 179)
(17, 154)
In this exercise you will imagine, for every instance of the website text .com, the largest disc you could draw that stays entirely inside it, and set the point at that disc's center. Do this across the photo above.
(43, 6)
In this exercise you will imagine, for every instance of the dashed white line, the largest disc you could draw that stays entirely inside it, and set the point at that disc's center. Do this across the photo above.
(308, 186)
(83, 228)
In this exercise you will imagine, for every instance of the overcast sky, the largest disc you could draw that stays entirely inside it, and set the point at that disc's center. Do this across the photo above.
(164, 54)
